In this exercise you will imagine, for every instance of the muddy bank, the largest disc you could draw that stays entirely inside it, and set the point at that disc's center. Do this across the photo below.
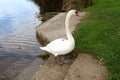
(62, 5)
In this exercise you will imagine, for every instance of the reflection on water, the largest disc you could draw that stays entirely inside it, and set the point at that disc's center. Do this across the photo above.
(17, 15)
(49, 5)
(18, 44)
(18, 19)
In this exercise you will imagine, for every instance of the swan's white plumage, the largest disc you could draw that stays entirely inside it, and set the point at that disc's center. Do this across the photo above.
(62, 46)
(59, 47)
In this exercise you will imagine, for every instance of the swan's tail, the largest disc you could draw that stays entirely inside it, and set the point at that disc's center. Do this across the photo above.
(43, 48)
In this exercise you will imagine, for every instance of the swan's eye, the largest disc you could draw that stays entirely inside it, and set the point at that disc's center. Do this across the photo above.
(76, 12)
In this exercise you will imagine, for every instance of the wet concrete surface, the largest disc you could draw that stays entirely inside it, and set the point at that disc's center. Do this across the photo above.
(17, 52)
(12, 64)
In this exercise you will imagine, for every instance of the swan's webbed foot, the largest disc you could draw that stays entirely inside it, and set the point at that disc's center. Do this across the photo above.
(61, 63)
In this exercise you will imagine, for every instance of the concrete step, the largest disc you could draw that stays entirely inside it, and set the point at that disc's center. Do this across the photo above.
(51, 70)
(55, 27)
(28, 72)
(86, 67)
(52, 29)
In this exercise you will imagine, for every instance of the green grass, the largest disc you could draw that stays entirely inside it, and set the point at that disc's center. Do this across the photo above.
(99, 34)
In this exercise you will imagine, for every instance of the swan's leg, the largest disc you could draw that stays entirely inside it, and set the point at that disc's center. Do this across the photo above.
(55, 60)
(61, 61)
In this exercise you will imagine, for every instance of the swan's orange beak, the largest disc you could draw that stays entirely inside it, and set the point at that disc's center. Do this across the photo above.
(78, 14)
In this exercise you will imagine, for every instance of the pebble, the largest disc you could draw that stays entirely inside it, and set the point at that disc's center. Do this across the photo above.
(40, 65)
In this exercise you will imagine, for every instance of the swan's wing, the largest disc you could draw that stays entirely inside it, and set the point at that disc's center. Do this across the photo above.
(58, 45)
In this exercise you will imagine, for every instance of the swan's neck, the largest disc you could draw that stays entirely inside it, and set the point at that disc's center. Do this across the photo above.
(69, 34)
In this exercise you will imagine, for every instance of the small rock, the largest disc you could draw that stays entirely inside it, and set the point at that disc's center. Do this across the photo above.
(66, 61)
(19, 47)
(42, 79)
(40, 65)
(1, 76)
(78, 76)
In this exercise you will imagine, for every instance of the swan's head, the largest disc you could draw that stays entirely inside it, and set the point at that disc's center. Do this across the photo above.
(74, 12)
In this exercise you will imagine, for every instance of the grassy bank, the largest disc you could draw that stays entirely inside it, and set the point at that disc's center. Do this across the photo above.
(99, 34)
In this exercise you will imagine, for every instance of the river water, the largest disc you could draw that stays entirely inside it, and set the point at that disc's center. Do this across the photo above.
(18, 43)
(18, 19)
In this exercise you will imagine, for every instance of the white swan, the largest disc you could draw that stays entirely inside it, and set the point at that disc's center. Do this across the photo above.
(62, 46)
